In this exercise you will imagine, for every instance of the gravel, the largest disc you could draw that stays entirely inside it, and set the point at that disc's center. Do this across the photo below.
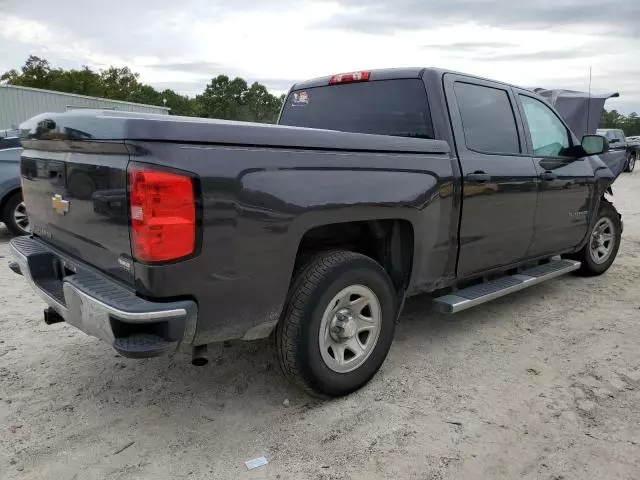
(542, 384)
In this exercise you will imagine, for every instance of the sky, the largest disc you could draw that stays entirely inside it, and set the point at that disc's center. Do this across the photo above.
(183, 44)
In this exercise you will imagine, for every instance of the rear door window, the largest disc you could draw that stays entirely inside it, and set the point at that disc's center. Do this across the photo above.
(386, 107)
(488, 120)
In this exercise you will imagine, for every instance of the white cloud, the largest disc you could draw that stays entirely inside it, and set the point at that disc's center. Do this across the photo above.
(25, 31)
(50, 41)
(183, 44)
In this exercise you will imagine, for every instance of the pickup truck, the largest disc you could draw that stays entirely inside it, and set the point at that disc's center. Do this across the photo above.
(375, 186)
(619, 143)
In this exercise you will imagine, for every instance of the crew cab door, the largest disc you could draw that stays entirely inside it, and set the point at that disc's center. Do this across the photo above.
(498, 175)
(565, 187)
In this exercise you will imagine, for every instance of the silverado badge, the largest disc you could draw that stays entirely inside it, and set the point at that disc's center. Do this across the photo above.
(59, 205)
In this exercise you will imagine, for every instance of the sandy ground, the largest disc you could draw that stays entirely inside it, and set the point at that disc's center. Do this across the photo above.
(543, 384)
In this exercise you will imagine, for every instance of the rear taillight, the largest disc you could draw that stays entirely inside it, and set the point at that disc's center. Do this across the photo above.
(163, 215)
(350, 77)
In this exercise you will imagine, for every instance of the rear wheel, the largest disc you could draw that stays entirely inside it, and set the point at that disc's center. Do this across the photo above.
(604, 241)
(15, 216)
(631, 162)
(338, 324)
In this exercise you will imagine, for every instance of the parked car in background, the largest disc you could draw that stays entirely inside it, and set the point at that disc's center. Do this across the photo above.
(618, 142)
(12, 209)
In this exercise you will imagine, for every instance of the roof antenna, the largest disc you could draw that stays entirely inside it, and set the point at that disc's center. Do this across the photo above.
(589, 102)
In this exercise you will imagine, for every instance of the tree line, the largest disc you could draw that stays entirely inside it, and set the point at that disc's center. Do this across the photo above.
(630, 124)
(225, 98)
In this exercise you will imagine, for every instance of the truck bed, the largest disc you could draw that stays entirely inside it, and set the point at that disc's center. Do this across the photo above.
(254, 203)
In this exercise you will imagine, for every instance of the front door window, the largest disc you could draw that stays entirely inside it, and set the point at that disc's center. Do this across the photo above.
(548, 134)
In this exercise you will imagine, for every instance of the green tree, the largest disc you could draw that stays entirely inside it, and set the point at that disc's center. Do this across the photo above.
(36, 73)
(145, 94)
(119, 83)
(82, 82)
(179, 104)
(234, 100)
(260, 105)
(629, 124)
(610, 119)
(222, 98)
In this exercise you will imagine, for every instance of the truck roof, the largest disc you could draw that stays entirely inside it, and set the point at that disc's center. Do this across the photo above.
(393, 74)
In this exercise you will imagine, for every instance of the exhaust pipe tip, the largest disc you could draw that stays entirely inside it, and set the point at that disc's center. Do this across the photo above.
(199, 357)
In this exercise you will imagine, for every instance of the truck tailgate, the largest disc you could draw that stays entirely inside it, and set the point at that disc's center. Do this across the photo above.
(77, 201)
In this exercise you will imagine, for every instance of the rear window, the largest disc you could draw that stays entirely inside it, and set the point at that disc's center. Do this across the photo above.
(9, 143)
(389, 107)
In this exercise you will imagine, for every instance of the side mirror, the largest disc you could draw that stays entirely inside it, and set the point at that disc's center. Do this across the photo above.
(595, 144)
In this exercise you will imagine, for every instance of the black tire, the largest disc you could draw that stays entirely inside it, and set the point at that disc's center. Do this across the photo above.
(589, 267)
(296, 336)
(10, 217)
(631, 162)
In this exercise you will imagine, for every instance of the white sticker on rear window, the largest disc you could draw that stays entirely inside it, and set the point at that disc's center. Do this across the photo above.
(300, 99)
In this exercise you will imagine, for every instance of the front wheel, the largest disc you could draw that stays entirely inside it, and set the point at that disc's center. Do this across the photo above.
(338, 324)
(631, 162)
(603, 244)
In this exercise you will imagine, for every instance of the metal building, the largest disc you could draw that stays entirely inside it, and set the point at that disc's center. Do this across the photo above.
(18, 104)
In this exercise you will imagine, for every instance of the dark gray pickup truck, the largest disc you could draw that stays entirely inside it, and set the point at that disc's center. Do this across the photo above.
(153, 232)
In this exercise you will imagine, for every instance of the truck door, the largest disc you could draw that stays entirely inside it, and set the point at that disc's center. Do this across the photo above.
(498, 175)
(565, 189)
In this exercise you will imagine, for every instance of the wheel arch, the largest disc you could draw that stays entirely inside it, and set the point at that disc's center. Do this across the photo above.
(389, 241)
(593, 218)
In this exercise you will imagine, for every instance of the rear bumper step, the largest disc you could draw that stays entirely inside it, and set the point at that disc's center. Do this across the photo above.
(99, 306)
(142, 346)
(477, 294)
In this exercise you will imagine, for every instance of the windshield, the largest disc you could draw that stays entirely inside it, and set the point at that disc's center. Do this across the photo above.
(390, 107)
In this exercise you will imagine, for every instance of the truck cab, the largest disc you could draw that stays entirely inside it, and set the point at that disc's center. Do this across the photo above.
(512, 155)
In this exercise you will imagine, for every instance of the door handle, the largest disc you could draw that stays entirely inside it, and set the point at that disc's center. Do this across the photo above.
(478, 176)
(548, 176)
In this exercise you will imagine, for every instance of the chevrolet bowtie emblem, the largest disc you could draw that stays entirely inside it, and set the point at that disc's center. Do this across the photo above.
(59, 205)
